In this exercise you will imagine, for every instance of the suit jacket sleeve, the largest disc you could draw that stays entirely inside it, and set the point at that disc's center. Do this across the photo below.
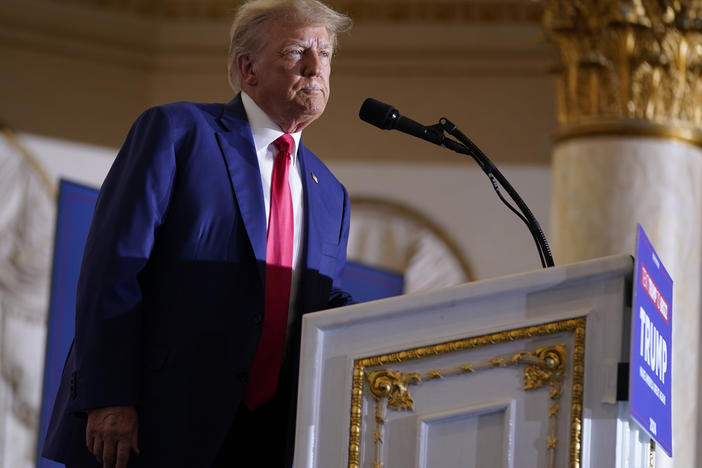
(130, 208)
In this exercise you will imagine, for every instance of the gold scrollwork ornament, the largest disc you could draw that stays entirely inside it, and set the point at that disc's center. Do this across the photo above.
(393, 386)
(548, 371)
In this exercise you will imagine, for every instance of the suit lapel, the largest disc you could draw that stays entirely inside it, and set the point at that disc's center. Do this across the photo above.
(239, 152)
(315, 221)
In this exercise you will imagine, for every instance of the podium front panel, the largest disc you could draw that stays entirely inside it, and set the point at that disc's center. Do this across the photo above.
(517, 371)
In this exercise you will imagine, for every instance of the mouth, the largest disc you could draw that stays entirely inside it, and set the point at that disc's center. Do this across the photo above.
(312, 89)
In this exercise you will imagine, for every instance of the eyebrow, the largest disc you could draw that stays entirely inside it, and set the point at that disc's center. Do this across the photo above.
(322, 45)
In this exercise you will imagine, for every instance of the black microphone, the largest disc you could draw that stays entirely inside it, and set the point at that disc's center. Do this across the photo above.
(386, 117)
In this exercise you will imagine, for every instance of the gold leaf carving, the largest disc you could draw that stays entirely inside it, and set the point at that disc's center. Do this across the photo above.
(447, 11)
(498, 362)
(387, 385)
(628, 60)
(548, 371)
(393, 386)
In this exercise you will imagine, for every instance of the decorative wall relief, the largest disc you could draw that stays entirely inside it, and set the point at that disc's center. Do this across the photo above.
(26, 234)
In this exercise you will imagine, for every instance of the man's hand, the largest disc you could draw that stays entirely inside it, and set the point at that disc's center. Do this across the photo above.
(112, 434)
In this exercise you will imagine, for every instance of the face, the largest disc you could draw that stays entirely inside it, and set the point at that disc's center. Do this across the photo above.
(289, 77)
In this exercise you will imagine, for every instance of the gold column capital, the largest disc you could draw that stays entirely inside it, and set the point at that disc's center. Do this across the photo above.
(628, 65)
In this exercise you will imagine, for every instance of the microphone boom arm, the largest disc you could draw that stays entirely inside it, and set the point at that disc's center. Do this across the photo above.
(386, 117)
(467, 147)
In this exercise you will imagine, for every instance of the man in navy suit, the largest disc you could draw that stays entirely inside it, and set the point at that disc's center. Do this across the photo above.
(170, 300)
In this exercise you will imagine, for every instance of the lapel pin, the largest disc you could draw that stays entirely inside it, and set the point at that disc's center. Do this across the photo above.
(314, 177)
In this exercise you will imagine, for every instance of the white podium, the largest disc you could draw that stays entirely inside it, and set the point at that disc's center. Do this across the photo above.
(518, 371)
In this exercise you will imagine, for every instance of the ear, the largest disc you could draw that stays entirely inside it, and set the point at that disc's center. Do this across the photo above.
(245, 66)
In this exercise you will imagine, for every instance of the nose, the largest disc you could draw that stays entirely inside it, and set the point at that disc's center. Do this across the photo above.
(312, 64)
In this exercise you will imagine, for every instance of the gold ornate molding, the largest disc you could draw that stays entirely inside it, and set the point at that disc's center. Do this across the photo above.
(510, 11)
(631, 60)
(394, 386)
(493, 11)
(630, 128)
(544, 366)
(547, 370)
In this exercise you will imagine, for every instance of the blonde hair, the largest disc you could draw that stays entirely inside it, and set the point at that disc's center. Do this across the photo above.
(247, 36)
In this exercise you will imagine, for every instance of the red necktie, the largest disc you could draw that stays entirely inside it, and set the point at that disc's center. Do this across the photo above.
(263, 378)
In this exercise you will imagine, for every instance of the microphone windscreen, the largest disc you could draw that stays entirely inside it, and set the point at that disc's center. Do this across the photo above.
(377, 113)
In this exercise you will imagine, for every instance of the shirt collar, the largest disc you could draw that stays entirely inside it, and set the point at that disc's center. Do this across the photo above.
(264, 130)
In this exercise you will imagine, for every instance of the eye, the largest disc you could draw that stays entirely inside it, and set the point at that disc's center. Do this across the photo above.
(293, 52)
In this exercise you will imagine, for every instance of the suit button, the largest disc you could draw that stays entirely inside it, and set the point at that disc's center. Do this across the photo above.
(258, 319)
(243, 377)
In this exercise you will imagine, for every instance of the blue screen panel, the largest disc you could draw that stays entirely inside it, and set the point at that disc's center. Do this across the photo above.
(367, 283)
(73, 215)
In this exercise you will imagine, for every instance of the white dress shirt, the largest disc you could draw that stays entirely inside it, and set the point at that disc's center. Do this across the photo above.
(265, 132)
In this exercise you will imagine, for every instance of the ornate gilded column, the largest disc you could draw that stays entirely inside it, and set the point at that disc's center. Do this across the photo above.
(629, 151)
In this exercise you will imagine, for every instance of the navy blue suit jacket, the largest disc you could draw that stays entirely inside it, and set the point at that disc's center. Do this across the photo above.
(170, 296)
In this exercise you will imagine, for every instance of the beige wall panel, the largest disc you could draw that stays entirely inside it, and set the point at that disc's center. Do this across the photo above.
(106, 67)
(69, 98)
(458, 197)
(509, 118)
(189, 85)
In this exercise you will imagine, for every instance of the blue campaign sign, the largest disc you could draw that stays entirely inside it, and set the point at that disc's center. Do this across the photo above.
(652, 345)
